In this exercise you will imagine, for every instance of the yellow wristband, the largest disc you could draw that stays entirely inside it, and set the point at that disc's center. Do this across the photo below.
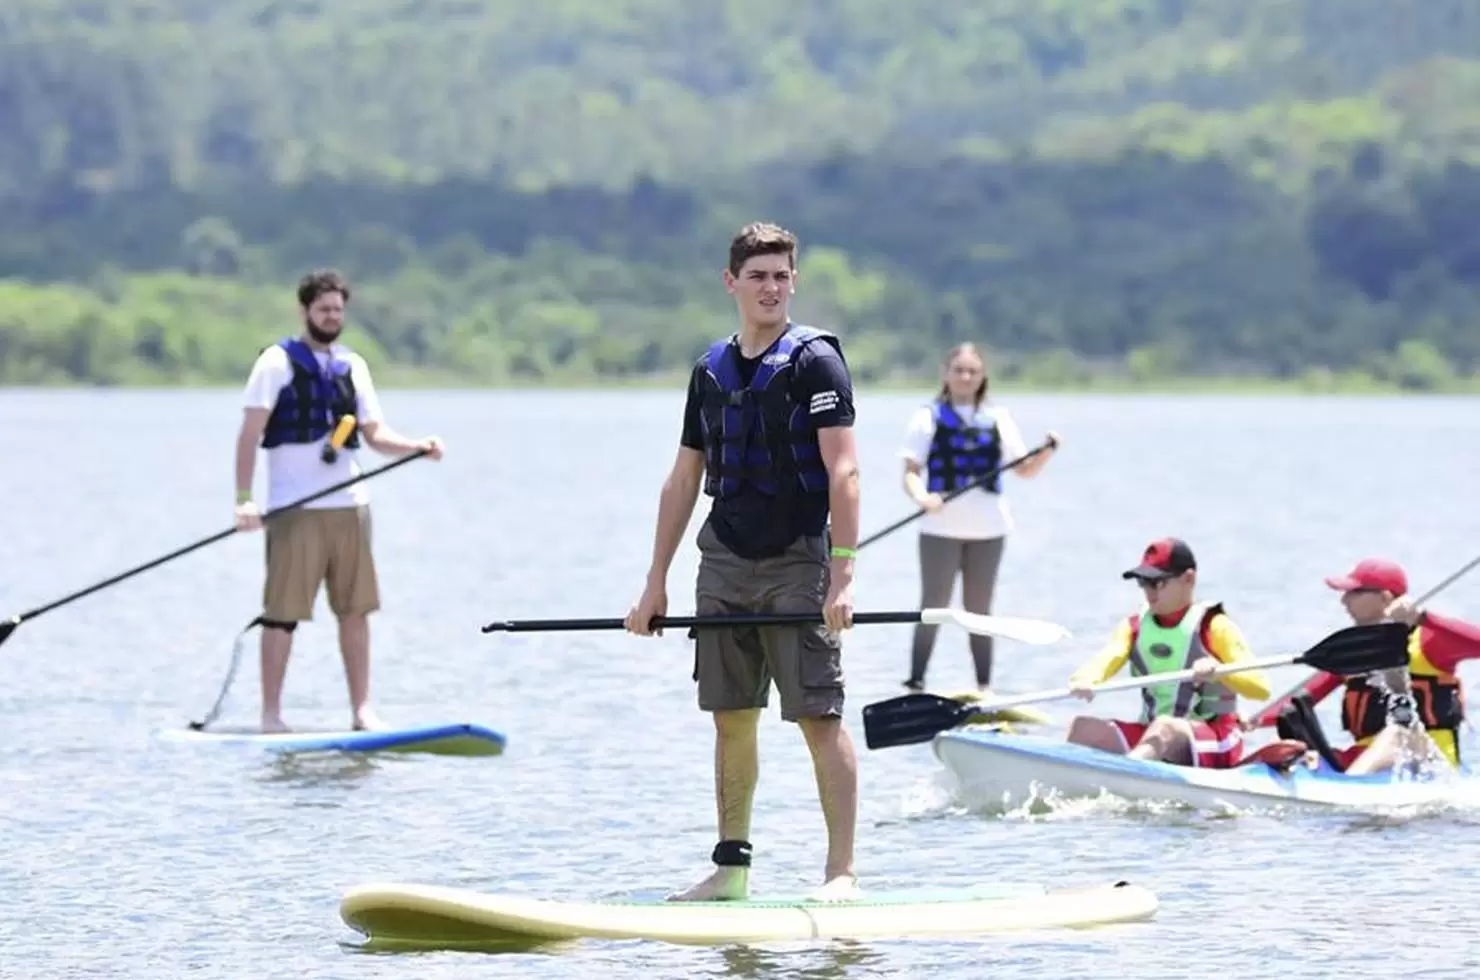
(844, 552)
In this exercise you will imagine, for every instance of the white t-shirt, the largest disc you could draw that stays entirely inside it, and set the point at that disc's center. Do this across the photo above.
(295, 471)
(976, 514)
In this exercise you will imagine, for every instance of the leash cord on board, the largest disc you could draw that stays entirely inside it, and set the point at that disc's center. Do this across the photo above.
(236, 657)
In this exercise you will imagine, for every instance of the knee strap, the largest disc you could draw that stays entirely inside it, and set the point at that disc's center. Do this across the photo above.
(277, 624)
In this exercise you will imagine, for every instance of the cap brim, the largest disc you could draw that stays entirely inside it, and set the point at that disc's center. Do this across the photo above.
(1343, 583)
(1149, 572)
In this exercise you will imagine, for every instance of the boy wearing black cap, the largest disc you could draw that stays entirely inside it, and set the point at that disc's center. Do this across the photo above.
(1192, 722)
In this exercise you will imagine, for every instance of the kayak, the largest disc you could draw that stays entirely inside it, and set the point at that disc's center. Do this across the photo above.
(1007, 769)
(410, 916)
(442, 739)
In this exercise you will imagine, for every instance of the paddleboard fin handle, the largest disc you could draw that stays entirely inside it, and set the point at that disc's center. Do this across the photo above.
(732, 854)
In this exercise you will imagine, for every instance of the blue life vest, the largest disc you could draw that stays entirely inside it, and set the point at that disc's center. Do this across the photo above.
(962, 453)
(309, 406)
(757, 435)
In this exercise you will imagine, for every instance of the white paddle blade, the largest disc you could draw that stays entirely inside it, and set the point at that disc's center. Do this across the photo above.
(1039, 632)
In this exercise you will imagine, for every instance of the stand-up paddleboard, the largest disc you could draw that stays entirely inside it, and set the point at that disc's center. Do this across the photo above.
(1022, 714)
(408, 916)
(447, 739)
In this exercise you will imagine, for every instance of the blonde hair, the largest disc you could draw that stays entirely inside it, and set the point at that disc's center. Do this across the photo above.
(964, 348)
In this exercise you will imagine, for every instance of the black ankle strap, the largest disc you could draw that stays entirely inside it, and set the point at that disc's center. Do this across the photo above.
(732, 854)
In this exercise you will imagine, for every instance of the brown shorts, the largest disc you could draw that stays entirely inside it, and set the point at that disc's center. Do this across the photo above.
(309, 547)
(734, 668)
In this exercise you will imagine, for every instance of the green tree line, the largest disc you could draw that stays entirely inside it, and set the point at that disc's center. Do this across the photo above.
(1143, 188)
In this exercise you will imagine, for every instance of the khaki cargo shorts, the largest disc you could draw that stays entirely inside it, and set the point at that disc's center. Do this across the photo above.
(309, 547)
(735, 668)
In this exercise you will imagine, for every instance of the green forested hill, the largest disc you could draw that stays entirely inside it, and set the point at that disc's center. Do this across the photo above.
(545, 190)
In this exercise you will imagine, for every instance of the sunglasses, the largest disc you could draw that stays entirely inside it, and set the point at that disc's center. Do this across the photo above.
(1155, 584)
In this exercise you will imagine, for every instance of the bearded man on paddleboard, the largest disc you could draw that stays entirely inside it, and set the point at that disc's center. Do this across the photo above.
(299, 390)
(1193, 722)
(768, 435)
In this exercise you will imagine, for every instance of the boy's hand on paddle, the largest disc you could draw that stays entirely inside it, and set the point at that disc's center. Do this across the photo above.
(932, 502)
(652, 604)
(1202, 671)
(1082, 690)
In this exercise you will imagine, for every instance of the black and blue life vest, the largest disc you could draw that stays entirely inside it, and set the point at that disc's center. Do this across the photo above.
(757, 435)
(309, 406)
(962, 453)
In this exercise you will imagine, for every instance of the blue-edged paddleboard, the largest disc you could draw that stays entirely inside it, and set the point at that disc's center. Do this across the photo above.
(447, 739)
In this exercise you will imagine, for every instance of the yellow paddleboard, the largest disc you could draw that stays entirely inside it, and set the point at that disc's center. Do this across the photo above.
(409, 916)
(1023, 714)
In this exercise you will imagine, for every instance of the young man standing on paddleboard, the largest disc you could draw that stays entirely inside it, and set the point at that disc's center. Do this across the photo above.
(1192, 722)
(768, 434)
(297, 392)
(1384, 724)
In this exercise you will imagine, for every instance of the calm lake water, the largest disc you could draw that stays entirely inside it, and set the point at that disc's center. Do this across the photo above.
(123, 856)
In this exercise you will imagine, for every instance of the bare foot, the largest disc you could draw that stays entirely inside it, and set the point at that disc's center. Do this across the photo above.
(843, 888)
(273, 725)
(366, 720)
(725, 885)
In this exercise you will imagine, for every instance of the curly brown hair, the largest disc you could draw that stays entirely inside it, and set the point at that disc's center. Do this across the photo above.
(317, 283)
(761, 238)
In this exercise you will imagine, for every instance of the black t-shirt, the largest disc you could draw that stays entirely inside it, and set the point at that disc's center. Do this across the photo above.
(748, 523)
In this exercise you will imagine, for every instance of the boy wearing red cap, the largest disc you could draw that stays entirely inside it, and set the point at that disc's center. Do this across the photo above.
(1192, 722)
(1380, 724)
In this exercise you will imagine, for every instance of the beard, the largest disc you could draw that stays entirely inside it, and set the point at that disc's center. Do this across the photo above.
(321, 335)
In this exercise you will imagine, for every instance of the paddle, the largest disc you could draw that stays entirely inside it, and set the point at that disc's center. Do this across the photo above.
(9, 626)
(1036, 631)
(913, 718)
(1049, 443)
(1266, 717)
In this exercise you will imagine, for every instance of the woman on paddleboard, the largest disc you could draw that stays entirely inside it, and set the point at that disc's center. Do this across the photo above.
(959, 439)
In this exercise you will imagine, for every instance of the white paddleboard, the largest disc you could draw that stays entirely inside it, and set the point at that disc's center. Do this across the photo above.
(398, 915)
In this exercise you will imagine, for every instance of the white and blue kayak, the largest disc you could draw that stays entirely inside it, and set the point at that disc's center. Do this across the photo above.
(460, 738)
(1001, 769)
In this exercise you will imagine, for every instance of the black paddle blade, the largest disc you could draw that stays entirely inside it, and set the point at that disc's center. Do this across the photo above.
(1360, 650)
(912, 718)
(8, 627)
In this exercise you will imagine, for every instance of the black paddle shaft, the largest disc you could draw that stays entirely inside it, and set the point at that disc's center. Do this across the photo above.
(738, 620)
(1048, 444)
(913, 718)
(9, 626)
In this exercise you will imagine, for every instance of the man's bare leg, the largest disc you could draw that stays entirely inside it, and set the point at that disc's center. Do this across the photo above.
(277, 645)
(736, 772)
(835, 764)
(354, 649)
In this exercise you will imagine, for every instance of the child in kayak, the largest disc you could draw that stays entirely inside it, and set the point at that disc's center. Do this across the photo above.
(1383, 721)
(1189, 723)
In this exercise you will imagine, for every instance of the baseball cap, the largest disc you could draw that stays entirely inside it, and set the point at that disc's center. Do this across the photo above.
(1372, 573)
(1165, 558)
